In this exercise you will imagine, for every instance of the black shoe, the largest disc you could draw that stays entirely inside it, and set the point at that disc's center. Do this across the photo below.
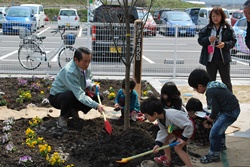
(62, 122)
(74, 114)
(223, 147)
(117, 109)
(209, 159)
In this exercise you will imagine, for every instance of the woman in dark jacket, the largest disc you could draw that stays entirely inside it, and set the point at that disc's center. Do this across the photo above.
(216, 39)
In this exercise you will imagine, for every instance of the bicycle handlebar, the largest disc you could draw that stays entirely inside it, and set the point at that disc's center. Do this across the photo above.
(58, 30)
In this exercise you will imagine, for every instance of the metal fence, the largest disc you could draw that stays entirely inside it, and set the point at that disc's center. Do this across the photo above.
(169, 52)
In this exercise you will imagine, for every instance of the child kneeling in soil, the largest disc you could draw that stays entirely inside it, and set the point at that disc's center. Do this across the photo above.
(179, 120)
(202, 125)
(134, 102)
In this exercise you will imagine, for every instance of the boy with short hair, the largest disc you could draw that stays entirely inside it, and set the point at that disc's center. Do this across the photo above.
(202, 125)
(225, 110)
(153, 110)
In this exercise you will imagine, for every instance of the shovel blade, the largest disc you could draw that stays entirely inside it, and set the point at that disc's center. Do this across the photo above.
(123, 161)
(108, 127)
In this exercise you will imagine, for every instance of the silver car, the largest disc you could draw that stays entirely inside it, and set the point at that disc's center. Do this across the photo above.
(68, 18)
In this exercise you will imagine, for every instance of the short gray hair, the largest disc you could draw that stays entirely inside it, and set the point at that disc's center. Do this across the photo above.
(246, 4)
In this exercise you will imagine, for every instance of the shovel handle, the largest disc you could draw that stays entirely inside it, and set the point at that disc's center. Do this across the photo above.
(151, 151)
(100, 102)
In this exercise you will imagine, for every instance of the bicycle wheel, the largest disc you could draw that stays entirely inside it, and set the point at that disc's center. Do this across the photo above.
(30, 56)
(65, 55)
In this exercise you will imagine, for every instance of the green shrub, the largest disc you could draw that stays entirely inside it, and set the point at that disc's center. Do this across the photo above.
(55, 11)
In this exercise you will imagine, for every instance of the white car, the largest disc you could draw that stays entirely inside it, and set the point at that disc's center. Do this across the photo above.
(3, 11)
(38, 13)
(240, 32)
(203, 16)
(68, 18)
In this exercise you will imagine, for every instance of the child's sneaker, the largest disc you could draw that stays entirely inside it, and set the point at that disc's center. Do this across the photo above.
(223, 147)
(209, 159)
(162, 160)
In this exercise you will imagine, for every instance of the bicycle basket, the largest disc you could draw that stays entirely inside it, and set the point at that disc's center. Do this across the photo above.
(23, 32)
(69, 39)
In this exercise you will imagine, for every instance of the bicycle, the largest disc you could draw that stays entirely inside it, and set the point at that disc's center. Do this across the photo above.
(31, 52)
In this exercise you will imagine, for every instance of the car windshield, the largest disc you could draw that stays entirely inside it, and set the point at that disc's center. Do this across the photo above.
(194, 12)
(141, 14)
(178, 17)
(68, 13)
(18, 12)
(144, 14)
(34, 8)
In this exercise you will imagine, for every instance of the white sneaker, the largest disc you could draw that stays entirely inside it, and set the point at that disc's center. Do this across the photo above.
(62, 122)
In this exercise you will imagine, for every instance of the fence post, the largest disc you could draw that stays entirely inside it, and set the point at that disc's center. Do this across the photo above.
(175, 51)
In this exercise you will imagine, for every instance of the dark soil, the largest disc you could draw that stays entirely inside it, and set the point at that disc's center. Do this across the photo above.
(85, 143)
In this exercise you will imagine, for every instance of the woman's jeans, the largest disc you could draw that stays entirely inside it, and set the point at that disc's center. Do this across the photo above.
(217, 133)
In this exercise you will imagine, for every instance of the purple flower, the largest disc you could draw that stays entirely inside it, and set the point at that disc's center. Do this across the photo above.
(9, 121)
(6, 137)
(7, 128)
(10, 147)
(25, 159)
(34, 86)
(22, 82)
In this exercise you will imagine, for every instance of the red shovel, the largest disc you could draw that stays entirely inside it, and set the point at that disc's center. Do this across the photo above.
(106, 122)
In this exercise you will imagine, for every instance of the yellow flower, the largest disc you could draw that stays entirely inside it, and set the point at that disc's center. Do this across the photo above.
(55, 159)
(42, 92)
(30, 133)
(35, 121)
(111, 96)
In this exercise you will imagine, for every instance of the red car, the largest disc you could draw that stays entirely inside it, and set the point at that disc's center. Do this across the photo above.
(236, 15)
(148, 20)
(46, 18)
(150, 26)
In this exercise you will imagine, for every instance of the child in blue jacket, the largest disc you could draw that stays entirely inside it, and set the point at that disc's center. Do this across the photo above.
(120, 98)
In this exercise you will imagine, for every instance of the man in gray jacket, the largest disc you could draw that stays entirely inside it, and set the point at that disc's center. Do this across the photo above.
(69, 91)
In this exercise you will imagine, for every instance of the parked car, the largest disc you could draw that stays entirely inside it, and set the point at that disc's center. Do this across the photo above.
(68, 18)
(38, 13)
(193, 13)
(18, 17)
(170, 19)
(236, 15)
(203, 17)
(46, 18)
(149, 23)
(109, 40)
(240, 31)
(157, 14)
(3, 11)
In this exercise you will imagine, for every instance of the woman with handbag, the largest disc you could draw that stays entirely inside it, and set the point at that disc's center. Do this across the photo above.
(216, 39)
